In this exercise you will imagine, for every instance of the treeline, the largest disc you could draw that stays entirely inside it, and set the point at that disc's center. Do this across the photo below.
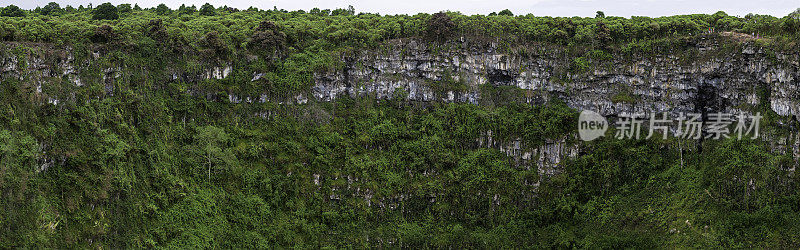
(234, 30)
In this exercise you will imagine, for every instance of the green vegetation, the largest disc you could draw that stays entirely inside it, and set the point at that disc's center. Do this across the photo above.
(105, 11)
(344, 27)
(12, 11)
(734, 194)
(448, 82)
(150, 160)
(624, 96)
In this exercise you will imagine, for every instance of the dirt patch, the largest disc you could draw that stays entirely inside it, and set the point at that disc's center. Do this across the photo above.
(741, 37)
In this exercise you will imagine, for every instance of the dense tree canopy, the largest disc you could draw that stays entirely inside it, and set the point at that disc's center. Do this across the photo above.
(345, 27)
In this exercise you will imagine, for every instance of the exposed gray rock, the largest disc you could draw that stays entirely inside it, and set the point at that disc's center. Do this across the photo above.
(665, 83)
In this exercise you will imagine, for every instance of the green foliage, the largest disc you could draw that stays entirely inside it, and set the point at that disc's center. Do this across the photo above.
(211, 144)
(267, 39)
(12, 11)
(51, 9)
(579, 65)
(343, 29)
(106, 11)
(184, 10)
(624, 96)
(124, 8)
(162, 9)
(651, 196)
(207, 10)
(440, 27)
(147, 160)
(447, 83)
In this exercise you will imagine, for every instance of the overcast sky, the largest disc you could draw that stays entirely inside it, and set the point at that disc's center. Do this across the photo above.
(625, 8)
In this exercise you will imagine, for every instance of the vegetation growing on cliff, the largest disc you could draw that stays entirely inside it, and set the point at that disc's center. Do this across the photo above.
(152, 159)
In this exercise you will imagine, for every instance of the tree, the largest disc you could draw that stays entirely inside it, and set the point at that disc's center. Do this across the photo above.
(157, 31)
(735, 171)
(186, 10)
(207, 10)
(791, 22)
(106, 11)
(12, 11)
(212, 144)
(602, 34)
(719, 15)
(600, 14)
(440, 27)
(267, 38)
(213, 46)
(795, 14)
(18, 150)
(505, 12)
(124, 8)
(344, 12)
(50, 8)
(162, 9)
(231, 9)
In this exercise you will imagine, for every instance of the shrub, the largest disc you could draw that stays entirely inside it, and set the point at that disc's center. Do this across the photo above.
(267, 37)
(213, 46)
(156, 30)
(104, 34)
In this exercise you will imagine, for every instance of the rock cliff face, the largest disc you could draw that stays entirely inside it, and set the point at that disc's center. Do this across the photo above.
(708, 81)
(705, 77)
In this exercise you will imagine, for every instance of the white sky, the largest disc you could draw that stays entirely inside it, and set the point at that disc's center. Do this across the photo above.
(624, 8)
